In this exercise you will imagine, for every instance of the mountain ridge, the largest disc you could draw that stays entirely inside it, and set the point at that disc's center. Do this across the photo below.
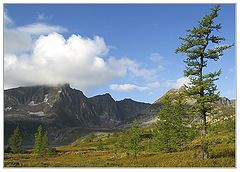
(67, 113)
(64, 107)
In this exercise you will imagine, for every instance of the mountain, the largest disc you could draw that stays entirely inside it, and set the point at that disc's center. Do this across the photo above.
(68, 114)
(224, 108)
(64, 111)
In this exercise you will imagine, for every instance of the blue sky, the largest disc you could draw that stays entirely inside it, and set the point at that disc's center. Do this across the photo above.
(142, 38)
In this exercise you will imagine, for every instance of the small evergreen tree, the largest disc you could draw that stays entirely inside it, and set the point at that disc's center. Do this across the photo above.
(134, 139)
(15, 141)
(171, 132)
(120, 142)
(40, 141)
(201, 45)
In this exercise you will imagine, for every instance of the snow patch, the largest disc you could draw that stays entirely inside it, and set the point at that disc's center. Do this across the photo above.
(45, 98)
(77, 116)
(32, 103)
(40, 113)
(8, 108)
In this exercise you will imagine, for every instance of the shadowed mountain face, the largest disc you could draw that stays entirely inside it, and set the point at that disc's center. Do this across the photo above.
(60, 109)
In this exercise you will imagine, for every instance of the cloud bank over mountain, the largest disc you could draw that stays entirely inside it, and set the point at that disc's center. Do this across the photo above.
(40, 54)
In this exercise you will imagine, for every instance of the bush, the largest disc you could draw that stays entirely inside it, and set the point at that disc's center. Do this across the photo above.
(222, 151)
(213, 139)
(100, 145)
(52, 151)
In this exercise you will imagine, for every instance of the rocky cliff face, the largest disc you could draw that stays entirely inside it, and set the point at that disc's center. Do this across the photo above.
(223, 101)
(61, 107)
(128, 107)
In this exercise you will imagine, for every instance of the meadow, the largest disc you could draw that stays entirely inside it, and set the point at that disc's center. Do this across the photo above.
(101, 151)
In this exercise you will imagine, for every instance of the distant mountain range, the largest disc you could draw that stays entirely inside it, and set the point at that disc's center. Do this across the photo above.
(68, 114)
(62, 107)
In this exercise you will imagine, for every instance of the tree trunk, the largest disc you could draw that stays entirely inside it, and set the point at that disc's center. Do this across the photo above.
(204, 147)
(203, 131)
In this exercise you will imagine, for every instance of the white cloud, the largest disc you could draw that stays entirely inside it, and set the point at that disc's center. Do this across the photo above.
(56, 60)
(38, 54)
(76, 60)
(16, 41)
(181, 82)
(157, 84)
(156, 57)
(20, 39)
(42, 16)
(126, 87)
(6, 19)
(41, 28)
(133, 87)
(126, 65)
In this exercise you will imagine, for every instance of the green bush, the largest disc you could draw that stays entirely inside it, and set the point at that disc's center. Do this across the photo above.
(52, 151)
(222, 151)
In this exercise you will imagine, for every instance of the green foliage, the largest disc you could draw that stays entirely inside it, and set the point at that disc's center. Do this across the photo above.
(223, 155)
(134, 139)
(223, 150)
(214, 139)
(227, 124)
(40, 141)
(53, 151)
(172, 131)
(197, 46)
(15, 141)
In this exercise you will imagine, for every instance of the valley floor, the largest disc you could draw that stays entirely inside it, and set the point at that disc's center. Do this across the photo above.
(73, 156)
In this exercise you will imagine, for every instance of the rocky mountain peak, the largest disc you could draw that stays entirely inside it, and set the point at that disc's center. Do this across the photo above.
(62, 107)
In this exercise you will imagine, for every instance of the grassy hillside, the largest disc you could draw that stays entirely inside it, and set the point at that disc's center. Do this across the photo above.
(85, 152)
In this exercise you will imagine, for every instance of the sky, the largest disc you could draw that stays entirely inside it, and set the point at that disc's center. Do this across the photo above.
(126, 50)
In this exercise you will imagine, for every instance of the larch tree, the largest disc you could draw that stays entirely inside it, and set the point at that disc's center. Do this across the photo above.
(201, 45)
(171, 132)
(15, 141)
(40, 141)
(134, 139)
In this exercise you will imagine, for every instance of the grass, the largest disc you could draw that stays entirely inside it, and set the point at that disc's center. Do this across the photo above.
(80, 157)
(84, 153)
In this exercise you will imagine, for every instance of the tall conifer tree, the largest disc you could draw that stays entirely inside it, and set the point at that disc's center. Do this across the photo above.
(201, 45)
